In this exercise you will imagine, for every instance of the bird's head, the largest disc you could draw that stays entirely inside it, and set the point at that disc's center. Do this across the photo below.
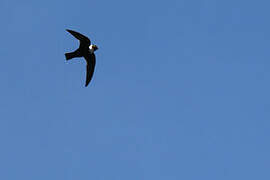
(95, 47)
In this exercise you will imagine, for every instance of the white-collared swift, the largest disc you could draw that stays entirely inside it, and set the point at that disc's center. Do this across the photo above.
(86, 50)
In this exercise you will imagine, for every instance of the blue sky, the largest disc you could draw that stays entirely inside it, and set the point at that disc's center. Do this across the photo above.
(180, 91)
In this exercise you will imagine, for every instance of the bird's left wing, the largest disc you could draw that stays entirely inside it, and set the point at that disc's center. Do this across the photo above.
(83, 39)
(90, 67)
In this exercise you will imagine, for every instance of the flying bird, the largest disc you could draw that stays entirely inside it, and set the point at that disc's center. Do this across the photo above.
(86, 50)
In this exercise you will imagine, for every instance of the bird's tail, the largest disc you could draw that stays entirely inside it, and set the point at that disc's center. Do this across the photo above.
(71, 55)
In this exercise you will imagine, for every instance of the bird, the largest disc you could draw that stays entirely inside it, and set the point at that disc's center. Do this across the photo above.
(86, 50)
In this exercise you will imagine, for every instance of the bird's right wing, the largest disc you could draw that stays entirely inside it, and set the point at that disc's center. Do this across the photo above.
(90, 67)
(83, 39)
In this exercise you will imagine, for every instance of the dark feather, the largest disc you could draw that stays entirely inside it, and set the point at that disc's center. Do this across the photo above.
(90, 67)
(83, 39)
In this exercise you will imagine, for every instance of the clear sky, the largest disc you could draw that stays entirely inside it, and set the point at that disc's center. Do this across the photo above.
(181, 90)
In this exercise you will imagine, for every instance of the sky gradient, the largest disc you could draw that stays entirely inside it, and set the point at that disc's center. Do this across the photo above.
(180, 90)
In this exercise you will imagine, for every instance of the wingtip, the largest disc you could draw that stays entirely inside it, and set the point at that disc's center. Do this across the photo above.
(87, 83)
(68, 30)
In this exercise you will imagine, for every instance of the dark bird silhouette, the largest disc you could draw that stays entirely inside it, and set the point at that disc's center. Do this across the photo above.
(86, 50)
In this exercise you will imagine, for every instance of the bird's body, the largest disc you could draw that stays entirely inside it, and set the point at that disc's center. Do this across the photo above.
(86, 50)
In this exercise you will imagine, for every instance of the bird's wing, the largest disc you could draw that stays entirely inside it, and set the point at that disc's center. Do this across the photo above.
(90, 67)
(83, 39)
